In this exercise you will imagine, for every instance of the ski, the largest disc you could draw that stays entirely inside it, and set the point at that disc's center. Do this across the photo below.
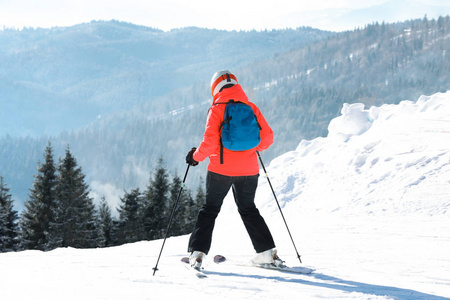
(197, 272)
(298, 270)
(219, 259)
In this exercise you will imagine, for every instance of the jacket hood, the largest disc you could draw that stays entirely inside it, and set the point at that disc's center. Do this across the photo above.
(235, 92)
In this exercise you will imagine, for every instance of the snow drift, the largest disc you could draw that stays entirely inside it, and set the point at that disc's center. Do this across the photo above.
(393, 159)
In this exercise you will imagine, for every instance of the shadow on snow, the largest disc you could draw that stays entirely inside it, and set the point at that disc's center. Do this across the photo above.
(335, 283)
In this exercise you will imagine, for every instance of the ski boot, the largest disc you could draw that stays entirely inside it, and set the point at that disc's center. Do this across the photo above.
(195, 259)
(268, 257)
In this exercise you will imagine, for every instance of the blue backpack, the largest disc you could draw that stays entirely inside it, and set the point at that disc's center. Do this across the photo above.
(239, 129)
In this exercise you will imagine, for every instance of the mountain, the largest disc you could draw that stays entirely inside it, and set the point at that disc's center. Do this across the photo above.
(299, 90)
(65, 78)
(381, 63)
(367, 206)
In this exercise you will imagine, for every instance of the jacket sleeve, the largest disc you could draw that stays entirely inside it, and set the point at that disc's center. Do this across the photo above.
(266, 132)
(211, 137)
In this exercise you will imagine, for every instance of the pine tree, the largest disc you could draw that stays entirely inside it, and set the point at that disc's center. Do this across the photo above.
(194, 207)
(74, 212)
(8, 220)
(130, 224)
(37, 215)
(155, 212)
(179, 222)
(199, 198)
(106, 224)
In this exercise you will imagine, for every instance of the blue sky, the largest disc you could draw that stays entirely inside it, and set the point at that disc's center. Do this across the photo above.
(230, 15)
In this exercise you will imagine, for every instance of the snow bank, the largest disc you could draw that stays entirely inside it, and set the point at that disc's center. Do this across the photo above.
(354, 121)
(393, 159)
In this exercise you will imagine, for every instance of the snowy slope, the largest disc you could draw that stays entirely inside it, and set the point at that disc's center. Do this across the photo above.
(367, 207)
(392, 159)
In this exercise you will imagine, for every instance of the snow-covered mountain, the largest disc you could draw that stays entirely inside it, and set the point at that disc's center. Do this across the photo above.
(368, 208)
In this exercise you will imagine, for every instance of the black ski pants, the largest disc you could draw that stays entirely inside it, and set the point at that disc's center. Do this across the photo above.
(244, 188)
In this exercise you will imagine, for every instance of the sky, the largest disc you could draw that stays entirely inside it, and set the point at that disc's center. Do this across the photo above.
(336, 15)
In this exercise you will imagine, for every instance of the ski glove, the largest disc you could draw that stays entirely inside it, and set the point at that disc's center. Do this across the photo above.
(189, 159)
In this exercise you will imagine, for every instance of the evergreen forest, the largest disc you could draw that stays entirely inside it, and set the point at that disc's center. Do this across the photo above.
(60, 213)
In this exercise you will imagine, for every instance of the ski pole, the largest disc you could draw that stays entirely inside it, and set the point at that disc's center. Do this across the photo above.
(170, 220)
(279, 207)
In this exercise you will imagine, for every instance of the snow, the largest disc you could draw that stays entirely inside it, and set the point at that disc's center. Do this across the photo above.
(367, 207)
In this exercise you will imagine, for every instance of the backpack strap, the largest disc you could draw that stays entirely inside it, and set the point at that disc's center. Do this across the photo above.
(257, 122)
(221, 151)
(225, 121)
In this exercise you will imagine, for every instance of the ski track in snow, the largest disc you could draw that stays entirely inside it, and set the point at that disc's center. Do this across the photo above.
(368, 208)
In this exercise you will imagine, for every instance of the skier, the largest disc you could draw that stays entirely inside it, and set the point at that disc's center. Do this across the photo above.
(227, 169)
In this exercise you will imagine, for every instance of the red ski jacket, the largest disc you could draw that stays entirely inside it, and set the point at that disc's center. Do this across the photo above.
(235, 163)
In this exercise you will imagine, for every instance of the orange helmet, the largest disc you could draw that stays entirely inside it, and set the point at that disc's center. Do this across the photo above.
(221, 79)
